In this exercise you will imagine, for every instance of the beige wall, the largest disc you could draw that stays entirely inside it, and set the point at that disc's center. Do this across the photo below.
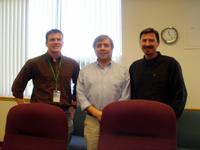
(5, 105)
(182, 14)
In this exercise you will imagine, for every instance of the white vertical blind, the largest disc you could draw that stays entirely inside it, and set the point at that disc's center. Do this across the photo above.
(42, 16)
(83, 20)
(13, 16)
(80, 21)
(24, 23)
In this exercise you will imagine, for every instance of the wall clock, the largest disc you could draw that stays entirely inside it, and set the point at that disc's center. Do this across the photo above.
(169, 35)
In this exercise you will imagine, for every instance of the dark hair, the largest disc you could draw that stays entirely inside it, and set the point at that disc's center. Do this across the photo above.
(102, 37)
(150, 30)
(53, 31)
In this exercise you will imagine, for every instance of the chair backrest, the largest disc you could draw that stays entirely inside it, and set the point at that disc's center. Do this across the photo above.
(35, 126)
(138, 125)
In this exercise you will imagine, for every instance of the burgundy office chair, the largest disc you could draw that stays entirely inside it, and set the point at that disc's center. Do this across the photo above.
(138, 125)
(35, 126)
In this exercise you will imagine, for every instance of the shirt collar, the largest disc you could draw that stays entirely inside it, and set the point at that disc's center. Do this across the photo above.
(154, 59)
(109, 65)
(51, 59)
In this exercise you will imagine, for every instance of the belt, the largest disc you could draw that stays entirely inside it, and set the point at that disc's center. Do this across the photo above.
(64, 107)
(90, 114)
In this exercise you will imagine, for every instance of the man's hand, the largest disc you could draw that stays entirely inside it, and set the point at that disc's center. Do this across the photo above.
(71, 111)
(99, 115)
(95, 112)
(74, 103)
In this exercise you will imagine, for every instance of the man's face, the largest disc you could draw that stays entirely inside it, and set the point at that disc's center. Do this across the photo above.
(149, 44)
(54, 42)
(103, 50)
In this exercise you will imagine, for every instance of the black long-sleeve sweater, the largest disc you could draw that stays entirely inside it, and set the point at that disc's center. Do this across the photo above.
(159, 79)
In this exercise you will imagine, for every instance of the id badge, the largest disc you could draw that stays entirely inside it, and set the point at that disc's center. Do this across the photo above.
(56, 96)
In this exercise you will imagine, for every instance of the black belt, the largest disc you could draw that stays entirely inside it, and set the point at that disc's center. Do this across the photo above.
(90, 114)
(64, 107)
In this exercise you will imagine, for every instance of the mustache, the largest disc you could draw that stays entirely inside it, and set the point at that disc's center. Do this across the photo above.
(148, 47)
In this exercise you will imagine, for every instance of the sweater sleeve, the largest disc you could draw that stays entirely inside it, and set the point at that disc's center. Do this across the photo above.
(177, 89)
(22, 79)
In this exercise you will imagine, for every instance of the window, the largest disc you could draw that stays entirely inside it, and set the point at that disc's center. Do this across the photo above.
(80, 21)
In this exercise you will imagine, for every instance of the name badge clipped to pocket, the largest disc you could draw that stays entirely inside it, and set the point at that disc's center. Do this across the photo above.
(56, 96)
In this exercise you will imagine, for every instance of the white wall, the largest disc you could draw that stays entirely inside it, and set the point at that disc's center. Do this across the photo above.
(182, 14)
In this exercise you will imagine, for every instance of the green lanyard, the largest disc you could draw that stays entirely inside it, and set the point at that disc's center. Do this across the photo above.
(55, 75)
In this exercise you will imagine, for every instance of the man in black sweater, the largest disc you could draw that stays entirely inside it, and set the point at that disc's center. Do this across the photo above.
(157, 77)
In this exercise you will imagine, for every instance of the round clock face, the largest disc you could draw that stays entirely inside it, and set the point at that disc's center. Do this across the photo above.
(169, 35)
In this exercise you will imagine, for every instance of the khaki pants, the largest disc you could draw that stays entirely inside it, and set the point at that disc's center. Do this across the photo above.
(91, 132)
